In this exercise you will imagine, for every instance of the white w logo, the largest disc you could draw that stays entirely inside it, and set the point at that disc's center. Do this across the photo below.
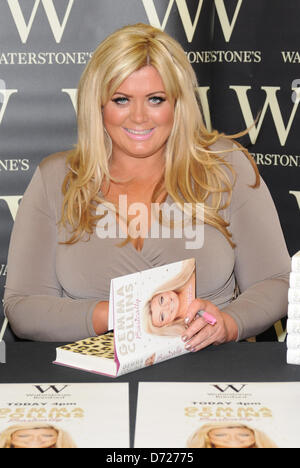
(189, 26)
(271, 102)
(5, 94)
(24, 29)
(12, 201)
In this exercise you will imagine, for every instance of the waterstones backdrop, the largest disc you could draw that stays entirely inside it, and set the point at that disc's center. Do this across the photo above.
(245, 53)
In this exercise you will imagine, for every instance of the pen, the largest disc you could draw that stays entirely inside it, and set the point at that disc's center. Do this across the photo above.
(207, 317)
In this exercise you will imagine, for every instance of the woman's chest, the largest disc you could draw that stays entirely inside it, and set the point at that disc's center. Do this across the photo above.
(86, 268)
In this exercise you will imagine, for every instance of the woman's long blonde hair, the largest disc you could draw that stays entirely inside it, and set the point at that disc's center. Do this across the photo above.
(193, 173)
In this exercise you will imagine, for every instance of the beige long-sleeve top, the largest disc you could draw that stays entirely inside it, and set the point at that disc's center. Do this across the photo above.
(52, 288)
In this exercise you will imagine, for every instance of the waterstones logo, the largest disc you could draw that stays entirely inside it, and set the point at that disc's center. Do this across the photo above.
(24, 28)
(72, 93)
(13, 165)
(5, 95)
(189, 24)
(45, 58)
(291, 56)
(271, 159)
(229, 388)
(270, 104)
(296, 194)
(12, 202)
(224, 56)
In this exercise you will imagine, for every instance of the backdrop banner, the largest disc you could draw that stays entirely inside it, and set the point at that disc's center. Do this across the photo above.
(245, 53)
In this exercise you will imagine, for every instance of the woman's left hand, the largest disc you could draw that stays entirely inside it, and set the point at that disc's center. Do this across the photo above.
(199, 334)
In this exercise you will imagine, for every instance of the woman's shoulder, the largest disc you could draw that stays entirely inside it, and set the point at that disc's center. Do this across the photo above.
(246, 181)
(234, 155)
(51, 173)
(54, 165)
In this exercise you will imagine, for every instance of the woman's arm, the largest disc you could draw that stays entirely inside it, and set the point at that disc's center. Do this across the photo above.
(33, 299)
(262, 266)
(100, 317)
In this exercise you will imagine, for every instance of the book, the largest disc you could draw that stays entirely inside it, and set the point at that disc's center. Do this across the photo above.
(294, 295)
(293, 341)
(191, 415)
(94, 354)
(296, 262)
(2, 343)
(293, 320)
(293, 326)
(64, 415)
(146, 321)
(295, 280)
(293, 355)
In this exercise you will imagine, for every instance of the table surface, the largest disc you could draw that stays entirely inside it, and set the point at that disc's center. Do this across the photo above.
(28, 362)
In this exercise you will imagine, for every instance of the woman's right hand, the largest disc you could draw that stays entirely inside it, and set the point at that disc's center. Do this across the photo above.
(100, 317)
(199, 334)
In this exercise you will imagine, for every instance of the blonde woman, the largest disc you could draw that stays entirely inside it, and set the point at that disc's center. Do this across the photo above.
(141, 139)
(166, 310)
(228, 435)
(35, 435)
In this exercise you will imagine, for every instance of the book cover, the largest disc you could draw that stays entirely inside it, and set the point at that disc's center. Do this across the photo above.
(146, 315)
(218, 415)
(81, 415)
(94, 354)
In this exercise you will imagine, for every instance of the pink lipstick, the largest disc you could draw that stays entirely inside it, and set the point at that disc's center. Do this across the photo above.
(139, 135)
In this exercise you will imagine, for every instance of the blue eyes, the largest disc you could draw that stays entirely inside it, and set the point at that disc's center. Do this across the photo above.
(156, 100)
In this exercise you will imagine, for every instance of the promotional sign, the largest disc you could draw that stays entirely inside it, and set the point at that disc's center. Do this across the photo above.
(248, 73)
(217, 415)
(80, 415)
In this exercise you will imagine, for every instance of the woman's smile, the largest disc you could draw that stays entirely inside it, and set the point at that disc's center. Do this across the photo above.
(139, 135)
